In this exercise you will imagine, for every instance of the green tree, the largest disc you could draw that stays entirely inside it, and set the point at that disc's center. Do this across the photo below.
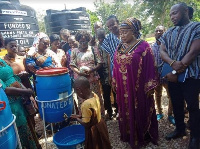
(121, 8)
(159, 11)
(40, 18)
(151, 13)
(196, 6)
(93, 18)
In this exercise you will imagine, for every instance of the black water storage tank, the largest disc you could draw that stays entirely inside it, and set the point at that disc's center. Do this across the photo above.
(73, 20)
(18, 21)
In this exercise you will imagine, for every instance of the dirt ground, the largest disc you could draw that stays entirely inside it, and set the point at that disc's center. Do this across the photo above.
(164, 128)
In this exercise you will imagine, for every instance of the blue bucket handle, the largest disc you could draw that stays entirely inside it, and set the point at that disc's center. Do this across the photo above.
(4, 105)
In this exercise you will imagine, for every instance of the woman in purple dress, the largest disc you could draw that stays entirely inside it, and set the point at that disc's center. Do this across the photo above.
(134, 79)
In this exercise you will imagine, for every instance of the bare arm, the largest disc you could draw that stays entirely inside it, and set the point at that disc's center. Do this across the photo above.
(13, 91)
(164, 55)
(63, 61)
(78, 118)
(193, 53)
(97, 67)
(176, 65)
(81, 122)
(76, 70)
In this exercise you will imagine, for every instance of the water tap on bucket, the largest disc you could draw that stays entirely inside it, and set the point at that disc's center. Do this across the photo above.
(65, 116)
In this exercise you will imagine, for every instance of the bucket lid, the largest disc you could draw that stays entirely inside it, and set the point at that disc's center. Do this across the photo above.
(51, 71)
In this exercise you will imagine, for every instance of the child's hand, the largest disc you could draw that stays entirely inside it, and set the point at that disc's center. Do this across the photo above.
(75, 116)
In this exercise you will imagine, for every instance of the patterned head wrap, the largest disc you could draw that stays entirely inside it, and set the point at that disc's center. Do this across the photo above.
(134, 24)
(37, 38)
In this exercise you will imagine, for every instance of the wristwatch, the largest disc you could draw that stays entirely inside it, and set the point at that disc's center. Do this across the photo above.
(174, 72)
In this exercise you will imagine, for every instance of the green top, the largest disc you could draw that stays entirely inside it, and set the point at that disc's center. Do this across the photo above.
(8, 79)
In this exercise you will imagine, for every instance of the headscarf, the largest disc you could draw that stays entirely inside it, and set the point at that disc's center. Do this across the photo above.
(34, 48)
(134, 24)
(37, 38)
(36, 41)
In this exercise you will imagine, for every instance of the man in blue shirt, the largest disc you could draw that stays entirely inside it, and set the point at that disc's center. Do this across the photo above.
(158, 90)
(110, 44)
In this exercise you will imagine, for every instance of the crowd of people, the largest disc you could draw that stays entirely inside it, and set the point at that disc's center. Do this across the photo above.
(119, 65)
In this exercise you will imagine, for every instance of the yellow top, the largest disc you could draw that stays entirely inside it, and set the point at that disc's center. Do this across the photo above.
(3, 52)
(91, 103)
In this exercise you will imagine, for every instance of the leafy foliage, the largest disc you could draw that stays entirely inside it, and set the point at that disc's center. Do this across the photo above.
(93, 18)
(150, 12)
(159, 10)
(196, 4)
(121, 8)
(41, 24)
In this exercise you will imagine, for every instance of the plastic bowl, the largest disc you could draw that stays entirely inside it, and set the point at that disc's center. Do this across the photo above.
(70, 137)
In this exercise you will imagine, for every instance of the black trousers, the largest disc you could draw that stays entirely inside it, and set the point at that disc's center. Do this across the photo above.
(115, 102)
(188, 91)
(106, 96)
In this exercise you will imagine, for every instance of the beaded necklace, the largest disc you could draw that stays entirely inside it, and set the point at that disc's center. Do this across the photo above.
(124, 50)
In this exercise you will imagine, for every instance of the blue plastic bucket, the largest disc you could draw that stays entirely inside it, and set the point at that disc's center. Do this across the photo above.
(71, 137)
(8, 138)
(5, 111)
(53, 87)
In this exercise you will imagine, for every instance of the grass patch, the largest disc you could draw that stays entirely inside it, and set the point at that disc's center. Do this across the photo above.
(150, 39)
